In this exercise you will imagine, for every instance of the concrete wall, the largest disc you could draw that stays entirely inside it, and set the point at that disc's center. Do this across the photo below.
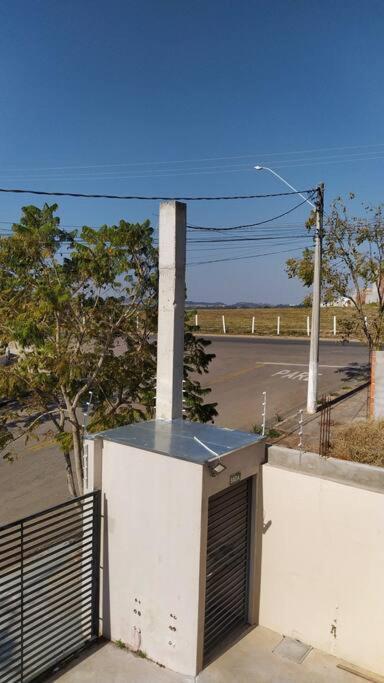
(152, 513)
(377, 385)
(155, 514)
(322, 565)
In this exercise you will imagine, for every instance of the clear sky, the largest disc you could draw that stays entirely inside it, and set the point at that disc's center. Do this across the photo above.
(174, 97)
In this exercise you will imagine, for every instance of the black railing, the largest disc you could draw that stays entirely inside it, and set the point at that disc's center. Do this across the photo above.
(49, 587)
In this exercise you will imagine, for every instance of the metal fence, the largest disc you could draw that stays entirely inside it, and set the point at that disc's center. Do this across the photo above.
(49, 587)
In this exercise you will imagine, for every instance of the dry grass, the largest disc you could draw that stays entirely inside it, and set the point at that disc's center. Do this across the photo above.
(361, 442)
(293, 321)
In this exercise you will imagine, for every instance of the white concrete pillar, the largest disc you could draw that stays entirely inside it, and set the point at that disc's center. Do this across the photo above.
(278, 325)
(308, 326)
(253, 324)
(170, 326)
(334, 326)
(92, 464)
(224, 327)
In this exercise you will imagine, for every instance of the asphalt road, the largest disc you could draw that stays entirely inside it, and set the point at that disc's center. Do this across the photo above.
(243, 368)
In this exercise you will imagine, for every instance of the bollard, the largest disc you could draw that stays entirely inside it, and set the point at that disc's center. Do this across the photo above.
(224, 328)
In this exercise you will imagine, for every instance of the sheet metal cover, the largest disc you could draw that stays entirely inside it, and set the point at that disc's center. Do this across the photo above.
(176, 438)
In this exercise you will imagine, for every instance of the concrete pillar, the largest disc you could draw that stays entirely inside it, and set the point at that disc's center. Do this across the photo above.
(92, 465)
(377, 385)
(170, 329)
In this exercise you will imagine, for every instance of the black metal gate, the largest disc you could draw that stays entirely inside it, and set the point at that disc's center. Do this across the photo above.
(49, 587)
(226, 600)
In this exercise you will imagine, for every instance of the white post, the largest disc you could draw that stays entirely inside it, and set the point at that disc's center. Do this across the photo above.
(224, 328)
(264, 413)
(196, 320)
(278, 324)
(334, 325)
(300, 432)
(170, 328)
(308, 326)
(253, 325)
(313, 368)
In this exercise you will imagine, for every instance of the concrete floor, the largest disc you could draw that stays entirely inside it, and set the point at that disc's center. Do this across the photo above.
(250, 660)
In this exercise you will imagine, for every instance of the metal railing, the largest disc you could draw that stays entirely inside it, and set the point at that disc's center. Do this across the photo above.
(49, 587)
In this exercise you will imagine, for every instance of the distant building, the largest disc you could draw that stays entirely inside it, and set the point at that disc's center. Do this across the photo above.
(341, 302)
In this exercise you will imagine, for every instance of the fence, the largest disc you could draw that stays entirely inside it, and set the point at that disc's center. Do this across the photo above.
(295, 322)
(49, 587)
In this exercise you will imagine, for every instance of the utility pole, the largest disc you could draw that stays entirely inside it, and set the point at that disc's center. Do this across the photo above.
(316, 299)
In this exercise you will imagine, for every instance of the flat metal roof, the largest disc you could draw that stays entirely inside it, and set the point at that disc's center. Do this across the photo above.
(176, 438)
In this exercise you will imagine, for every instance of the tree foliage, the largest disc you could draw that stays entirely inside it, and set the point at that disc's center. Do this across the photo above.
(353, 261)
(82, 309)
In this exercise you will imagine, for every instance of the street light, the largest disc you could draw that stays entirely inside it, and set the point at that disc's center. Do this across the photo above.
(313, 368)
(265, 168)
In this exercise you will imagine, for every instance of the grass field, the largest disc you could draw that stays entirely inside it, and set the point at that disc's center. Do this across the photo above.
(293, 321)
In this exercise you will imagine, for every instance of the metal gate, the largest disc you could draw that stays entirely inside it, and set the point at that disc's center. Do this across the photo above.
(49, 587)
(226, 600)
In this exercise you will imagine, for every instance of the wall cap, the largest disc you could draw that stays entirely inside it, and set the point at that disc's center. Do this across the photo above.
(343, 471)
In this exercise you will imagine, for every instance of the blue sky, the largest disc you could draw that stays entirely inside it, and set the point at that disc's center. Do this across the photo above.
(174, 97)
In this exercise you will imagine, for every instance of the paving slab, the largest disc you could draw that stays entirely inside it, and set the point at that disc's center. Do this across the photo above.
(250, 660)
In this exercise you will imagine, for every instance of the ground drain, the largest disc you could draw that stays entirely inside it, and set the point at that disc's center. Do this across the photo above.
(292, 649)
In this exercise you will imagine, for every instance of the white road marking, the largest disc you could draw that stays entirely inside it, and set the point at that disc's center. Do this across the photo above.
(287, 374)
(305, 365)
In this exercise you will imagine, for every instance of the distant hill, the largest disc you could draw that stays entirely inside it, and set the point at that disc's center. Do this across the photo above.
(238, 304)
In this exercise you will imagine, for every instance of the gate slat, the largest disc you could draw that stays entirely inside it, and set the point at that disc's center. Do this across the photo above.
(226, 601)
(49, 595)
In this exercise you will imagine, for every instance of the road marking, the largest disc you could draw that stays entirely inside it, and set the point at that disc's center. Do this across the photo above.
(237, 373)
(233, 375)
(287, 374)
(305, 365)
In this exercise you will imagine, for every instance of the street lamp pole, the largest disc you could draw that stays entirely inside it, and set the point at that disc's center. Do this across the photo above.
(313, 368)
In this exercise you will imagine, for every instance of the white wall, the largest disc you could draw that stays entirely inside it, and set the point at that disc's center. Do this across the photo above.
(322, 564)
(152, 553)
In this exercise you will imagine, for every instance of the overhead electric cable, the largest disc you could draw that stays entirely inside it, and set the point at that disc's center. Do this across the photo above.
(202, 159)
(241, 258)
(247, 225)
(150, 198)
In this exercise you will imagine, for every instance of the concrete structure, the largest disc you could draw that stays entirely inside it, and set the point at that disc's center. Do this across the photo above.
(156, 481)
(253, 659)
(377, 385)
(341, 302)
(323, 554)
(170, 337)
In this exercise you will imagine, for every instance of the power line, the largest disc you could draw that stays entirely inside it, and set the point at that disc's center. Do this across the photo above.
(148, 198)
(248, 239)
(203, 159)
(206, 170)
(248, 225)
(241, 258)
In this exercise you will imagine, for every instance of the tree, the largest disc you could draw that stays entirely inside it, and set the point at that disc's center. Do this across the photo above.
(82, 308)
(353, 262)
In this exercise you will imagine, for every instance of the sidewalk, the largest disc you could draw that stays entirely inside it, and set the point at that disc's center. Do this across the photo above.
(250, 660)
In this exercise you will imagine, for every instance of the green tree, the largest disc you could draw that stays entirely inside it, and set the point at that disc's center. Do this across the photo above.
(82, 308)
(353, 261)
